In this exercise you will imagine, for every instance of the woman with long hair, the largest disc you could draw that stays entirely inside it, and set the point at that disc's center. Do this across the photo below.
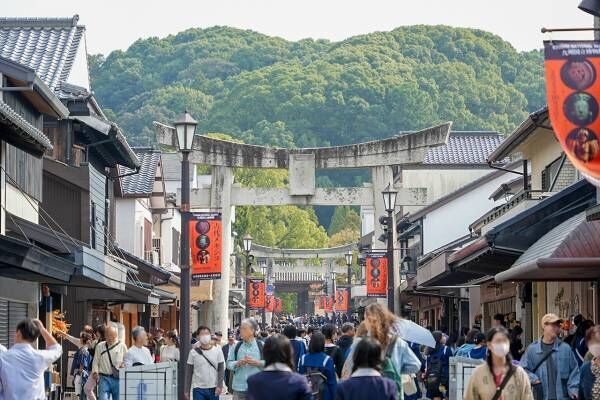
(380, 324)
(170, 350)
(278, 381)
(498, 374)
(366, 381)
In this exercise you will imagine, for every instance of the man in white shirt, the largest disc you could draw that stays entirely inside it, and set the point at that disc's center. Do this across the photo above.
(138, 354)
(22, 367)
(205, 368)
(108, 358)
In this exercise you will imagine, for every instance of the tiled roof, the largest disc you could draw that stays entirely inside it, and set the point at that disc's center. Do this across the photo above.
(142, 183)
(464, 148)
(30, 132)
(48, 45)
(72, 92)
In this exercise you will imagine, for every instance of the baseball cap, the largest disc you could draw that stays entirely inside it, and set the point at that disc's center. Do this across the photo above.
(551, 319)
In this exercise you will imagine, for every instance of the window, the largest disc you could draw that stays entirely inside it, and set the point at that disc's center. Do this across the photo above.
(550, 173)
(175, 244)
(93, 225)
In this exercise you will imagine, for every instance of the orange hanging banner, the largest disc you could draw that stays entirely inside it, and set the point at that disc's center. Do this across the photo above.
(205, 245)
(278, 304)
(256, 299)
(342, 298)
(572, 88)
(377, 274)
(328, 304)
(270, 300)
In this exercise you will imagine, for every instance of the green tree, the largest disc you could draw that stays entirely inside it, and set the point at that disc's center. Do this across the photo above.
(343, 218)
(345, 236)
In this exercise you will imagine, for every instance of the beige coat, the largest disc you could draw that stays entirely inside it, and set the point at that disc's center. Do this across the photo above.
(482, 385)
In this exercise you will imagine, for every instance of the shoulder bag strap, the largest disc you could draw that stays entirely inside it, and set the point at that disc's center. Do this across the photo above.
(390, 347)
(500, 388)
(108, 349)
(542, 361)
(199, 351)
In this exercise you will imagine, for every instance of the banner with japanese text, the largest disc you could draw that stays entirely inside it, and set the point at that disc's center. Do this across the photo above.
(377, 275)
(572, 88)
(342, 299)
(278, 305)
(205, 245)
(327, 303)
(256, 292)
(270, 303)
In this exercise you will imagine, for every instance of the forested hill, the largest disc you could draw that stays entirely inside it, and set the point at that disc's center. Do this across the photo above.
(267, 90)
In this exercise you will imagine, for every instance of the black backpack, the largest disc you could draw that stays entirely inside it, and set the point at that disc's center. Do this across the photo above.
(316, 379)
(434, 370)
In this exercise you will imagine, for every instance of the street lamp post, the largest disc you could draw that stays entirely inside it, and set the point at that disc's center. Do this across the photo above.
(349, 256)
(186, 129)
(334, 292)
(263, 314)
(389, 202)
(247, 248)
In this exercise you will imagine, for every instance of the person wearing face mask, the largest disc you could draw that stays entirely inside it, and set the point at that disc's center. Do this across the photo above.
(206, 369)
(551, 365)
(589, 383)
(498, 378)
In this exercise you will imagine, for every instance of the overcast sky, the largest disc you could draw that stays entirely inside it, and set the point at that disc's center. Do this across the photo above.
(115, 24)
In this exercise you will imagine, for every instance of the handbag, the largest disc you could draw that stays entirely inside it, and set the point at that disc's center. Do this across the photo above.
(114, 372)
(408, 384)
(500, 388)
(536, 389)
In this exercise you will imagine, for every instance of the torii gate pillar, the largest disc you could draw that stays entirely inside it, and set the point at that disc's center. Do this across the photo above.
(220, 200)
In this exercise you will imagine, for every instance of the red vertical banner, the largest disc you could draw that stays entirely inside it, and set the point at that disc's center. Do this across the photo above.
(278, 305)
(205, 245)
(377, 275)
(342, 300)
(270, 303)
(328, 303)
(572, 88)
(256, 292)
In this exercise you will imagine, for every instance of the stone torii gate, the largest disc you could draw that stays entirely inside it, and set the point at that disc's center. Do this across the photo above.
(223, 156)
(301, 274)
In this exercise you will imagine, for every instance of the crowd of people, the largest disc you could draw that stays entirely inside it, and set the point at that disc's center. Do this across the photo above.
(339, 359)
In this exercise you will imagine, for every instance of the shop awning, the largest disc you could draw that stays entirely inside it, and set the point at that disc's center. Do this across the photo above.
(569, 252)
(499, 248)
(22, 260)
(158, 274)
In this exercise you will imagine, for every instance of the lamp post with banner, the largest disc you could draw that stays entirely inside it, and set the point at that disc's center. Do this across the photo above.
(389, 202)
(247, 241)
(186, 129)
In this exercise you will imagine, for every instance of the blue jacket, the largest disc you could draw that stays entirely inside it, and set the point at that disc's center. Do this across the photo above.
(298, 349)
(278, 385)
(586, 381)
(326, 367)
(567, 380)
(82, 358)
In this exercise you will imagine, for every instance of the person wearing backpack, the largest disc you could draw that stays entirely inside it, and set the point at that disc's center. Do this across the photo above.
(345, 341)
(331, 349)
(205, 369)
(278, 381)
(397, 356)
(298, 345)
(437, 369)
(366, 381)
(246, 358)
(498, 378)
(319, 369)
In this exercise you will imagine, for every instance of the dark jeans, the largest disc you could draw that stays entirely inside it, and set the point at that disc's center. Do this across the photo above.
(203, 394)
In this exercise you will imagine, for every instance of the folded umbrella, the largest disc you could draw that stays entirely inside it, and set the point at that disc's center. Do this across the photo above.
(415, 333)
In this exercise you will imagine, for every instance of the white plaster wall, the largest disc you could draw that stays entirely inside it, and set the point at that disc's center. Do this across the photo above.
(170, 221)
(540, 149)
(452, 220)
(19, 204)
(125, 226)
(438, 182)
